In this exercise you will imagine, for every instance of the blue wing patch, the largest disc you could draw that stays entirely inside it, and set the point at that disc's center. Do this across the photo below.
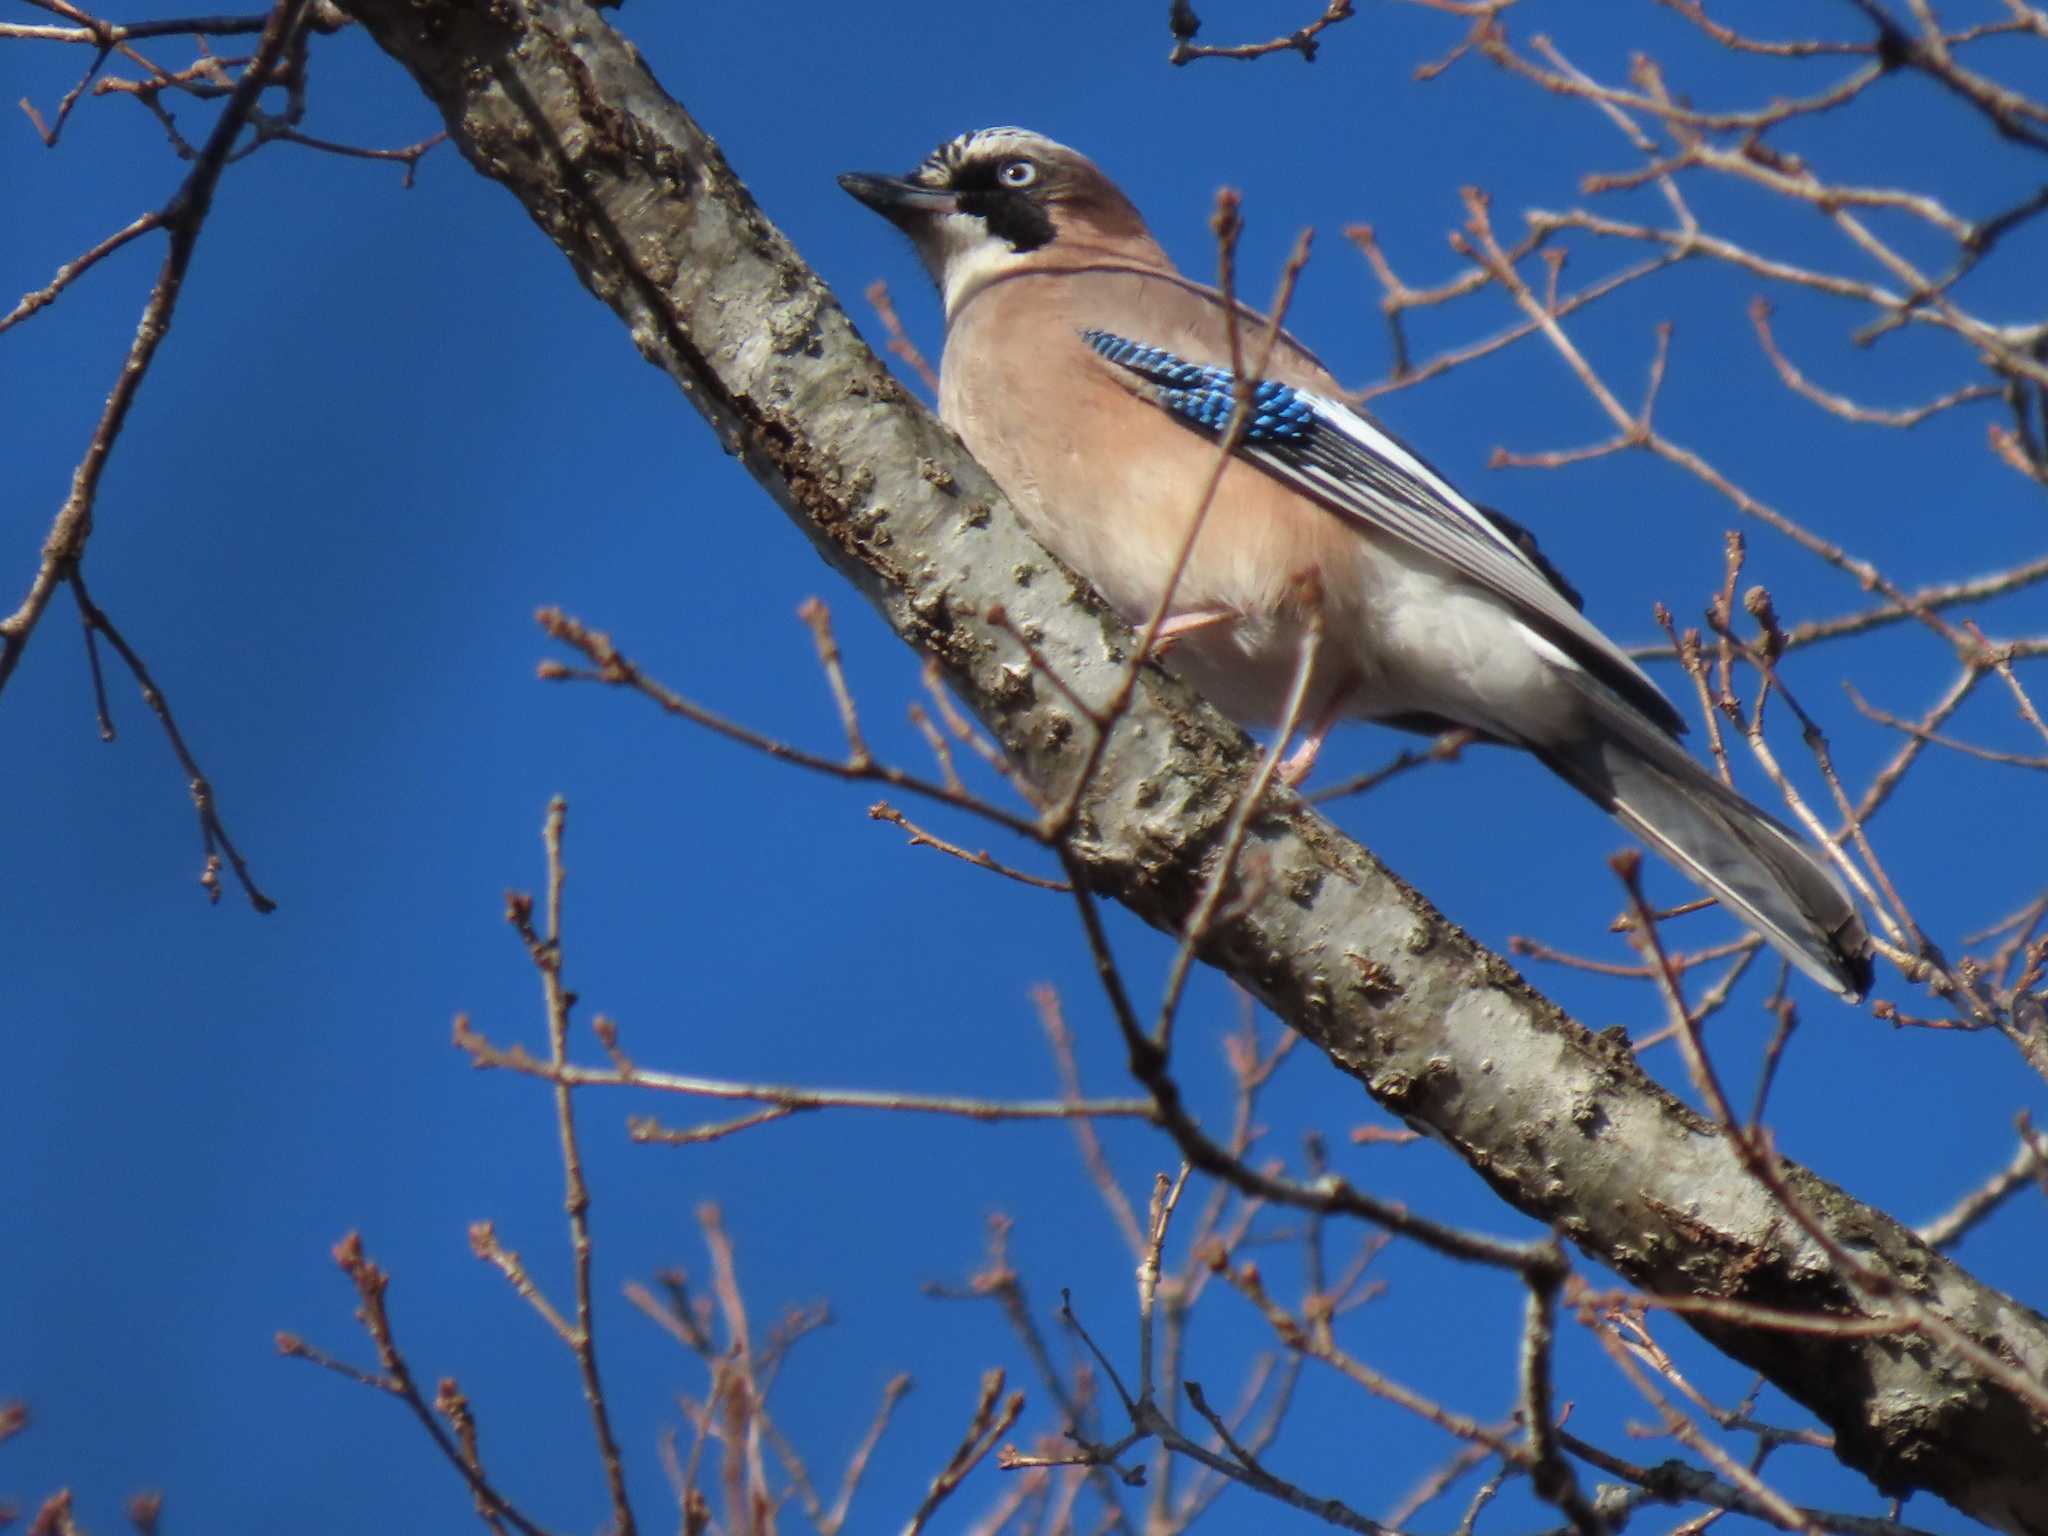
(1207, 397)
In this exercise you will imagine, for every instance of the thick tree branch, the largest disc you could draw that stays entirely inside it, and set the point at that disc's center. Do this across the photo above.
(544, 97)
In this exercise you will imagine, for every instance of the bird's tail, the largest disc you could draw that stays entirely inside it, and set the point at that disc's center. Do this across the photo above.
(1759, 868)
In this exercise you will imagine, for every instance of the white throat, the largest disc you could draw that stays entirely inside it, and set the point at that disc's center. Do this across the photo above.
(963, 256)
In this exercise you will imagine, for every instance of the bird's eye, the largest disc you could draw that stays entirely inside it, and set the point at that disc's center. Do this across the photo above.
(1017, 173)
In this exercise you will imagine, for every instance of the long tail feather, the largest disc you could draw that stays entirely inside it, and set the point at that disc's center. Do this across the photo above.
(1757, 866)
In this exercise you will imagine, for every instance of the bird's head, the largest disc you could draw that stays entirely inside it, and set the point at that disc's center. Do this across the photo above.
(999, 200)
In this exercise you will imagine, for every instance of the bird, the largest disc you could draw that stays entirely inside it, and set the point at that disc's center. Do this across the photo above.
(1093, 381)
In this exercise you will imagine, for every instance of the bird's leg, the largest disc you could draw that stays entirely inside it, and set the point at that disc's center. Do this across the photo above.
(1301, 762)
(1181, 625)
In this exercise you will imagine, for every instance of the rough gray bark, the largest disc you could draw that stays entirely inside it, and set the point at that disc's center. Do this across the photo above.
(544, 97)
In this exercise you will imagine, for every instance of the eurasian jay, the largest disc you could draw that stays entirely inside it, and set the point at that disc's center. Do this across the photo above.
(1092, 381)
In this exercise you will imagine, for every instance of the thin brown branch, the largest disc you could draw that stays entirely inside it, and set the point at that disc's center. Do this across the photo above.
(857, 1464)
(547, 953)
(371, 1285)
(182, 217)
(37, 299)
(1310, 1333)
(882, 810)
(897, 340)
(1931, 598)
(1060, 1041)
(1936, 739)
(1433, 1487)
(612, 668)
(1681, 1427)
(1549, 1473)
(998, 1281)
(107, 34)
(2025, 1167)
(1796, 48)
(1842, 405)
(1674, 1482)
(1244, 1466)
(214, 839)
(453, 1406)
(483, 1242)
(1184, 25)
(818, 619)
(786, 1098)
(1448, 747)
(1235, 1462)
(407, 155)
(988, 1424)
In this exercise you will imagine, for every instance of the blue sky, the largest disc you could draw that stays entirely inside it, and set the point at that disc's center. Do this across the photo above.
(388, 425)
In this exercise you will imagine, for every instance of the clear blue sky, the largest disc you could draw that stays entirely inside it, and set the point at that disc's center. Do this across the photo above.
(388, 425)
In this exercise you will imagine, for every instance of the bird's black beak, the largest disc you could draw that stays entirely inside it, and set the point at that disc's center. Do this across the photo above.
(897, 199)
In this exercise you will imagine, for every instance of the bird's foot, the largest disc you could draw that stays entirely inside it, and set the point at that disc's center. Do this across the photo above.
(1181, 625)
(1301, 762)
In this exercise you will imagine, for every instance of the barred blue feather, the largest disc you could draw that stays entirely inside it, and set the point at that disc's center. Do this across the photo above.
(1207, 397)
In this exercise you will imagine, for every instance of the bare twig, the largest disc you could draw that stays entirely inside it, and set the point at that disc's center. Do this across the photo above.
(786, 1098)
(899, 342)
(371, 1284)
(1184, 24)
(2026, 1166)
(182, 217)
(547, 953)
(988, 1424)
(881, 810)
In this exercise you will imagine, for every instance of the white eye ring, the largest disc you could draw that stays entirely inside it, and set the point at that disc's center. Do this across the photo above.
(1017, 173)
